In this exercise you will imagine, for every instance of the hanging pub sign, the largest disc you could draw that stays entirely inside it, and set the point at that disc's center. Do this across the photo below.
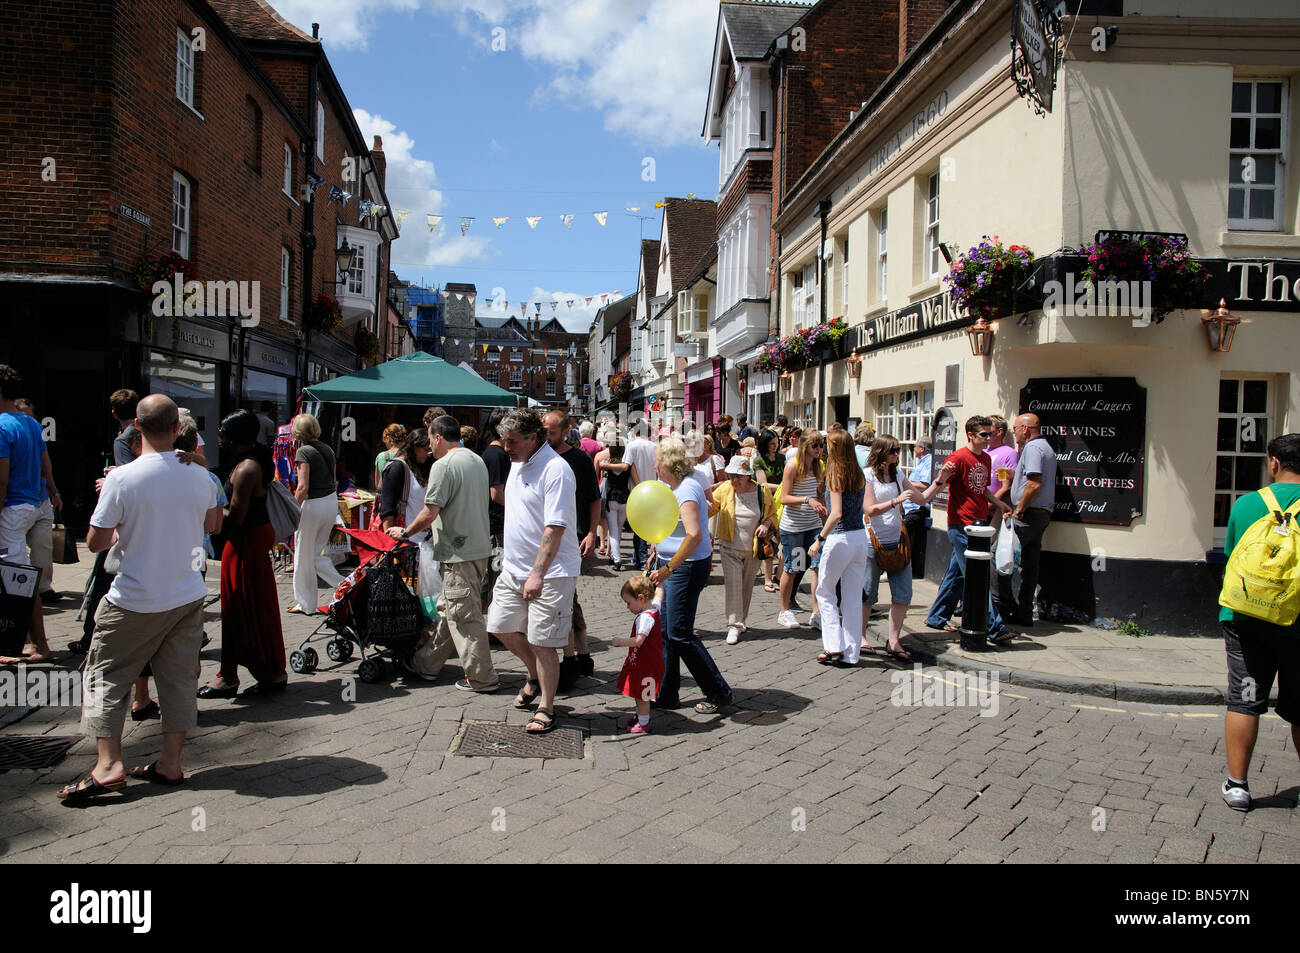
(1097, 426)
(1035, 51)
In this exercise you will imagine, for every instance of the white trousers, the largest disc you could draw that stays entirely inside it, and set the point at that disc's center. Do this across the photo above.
(843, 560)
(308, 560)
(614, 520)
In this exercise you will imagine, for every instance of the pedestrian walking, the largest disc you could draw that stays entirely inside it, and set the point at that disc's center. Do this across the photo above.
(577, 658)
(402, 486)
(640, 452)
(392, 438)
(802, 513)
(745, 516)
(620, 477)
(643, 670)
(498, 468)
(844, 562)
(317, 493)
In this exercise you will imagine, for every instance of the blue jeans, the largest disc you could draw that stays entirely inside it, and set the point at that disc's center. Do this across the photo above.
(681, 594)
(950, 589)
(640, 550)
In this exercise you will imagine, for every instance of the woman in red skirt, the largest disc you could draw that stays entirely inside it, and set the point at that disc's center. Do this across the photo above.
(250, 608)
(643, 672)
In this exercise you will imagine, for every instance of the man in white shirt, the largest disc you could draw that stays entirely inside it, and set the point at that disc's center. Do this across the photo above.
(158, 508)
(640, 452)
(532, 601)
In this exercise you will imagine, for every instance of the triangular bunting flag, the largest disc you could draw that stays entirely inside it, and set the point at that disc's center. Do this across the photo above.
(589, 302)
(569, 302)
(690, 195)
(433, 220)
(458, 296)
(335, 194)
(401, 217)
(660, 204)
(456, 341)
(500, 220)
(538, 306)
(465, 223)
(471, 296)
(554, 304)
(532, 220)
(633, 208)
(600, 217)
(568, 220)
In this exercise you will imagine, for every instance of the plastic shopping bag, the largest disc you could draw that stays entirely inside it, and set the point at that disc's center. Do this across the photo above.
(430, 581)
(1007, 555)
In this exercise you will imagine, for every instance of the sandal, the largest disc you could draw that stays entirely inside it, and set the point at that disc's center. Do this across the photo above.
(525, 698)
(543, 726)
(295, 610)
(712, 708)
(152, 774)
(87, 789)
(829, 658)
(1003, 639)
(771, 587)
(901, 654)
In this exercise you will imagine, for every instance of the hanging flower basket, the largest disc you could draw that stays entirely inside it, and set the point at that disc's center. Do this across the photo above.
(620, 387)
(367, 344)
(989, 280)
(326, 313)
(1176, 279)
(164, 268)
(796, 351)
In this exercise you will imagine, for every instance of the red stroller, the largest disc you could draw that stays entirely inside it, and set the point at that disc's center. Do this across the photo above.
(373, 608)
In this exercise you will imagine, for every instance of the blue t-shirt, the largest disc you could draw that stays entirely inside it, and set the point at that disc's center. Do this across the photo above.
(689, 491)
(22, 443)
(850, 512)
(921, 473)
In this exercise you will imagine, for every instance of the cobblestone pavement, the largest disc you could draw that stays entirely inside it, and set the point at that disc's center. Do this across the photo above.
(813, 764)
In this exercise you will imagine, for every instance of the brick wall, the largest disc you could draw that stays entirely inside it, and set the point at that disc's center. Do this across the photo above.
(915, 17)
(755, 176)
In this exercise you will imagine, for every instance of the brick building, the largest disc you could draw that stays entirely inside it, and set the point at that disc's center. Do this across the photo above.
(535, 358)
(176, 126)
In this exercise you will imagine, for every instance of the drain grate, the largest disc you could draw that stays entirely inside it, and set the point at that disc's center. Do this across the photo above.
(33, 751)
(496, 740)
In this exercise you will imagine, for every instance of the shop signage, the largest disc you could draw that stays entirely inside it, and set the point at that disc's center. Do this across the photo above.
(920, 319)
(943, 444)
(327, 348)
(196, 340)
(136, 216)
(1255, 285)
(1097, 426)
(265, 356)
(1035, 36)
(1106, 234)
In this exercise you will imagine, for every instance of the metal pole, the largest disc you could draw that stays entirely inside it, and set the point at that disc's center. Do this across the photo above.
(975, 594)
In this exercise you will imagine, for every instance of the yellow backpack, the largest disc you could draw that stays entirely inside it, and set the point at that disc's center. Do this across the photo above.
(1263, 575)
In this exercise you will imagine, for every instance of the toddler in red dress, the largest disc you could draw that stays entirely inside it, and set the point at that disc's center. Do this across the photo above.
(643, 671)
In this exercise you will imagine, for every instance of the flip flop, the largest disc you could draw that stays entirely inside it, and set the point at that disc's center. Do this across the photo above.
(867, 650)
(295, 610)
(87, 789)
(829, 658)
(768, 587)
(152, 774)
(1003, 639)
(900, 653)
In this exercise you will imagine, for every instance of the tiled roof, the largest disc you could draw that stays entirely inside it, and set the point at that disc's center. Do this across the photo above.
(256, 20)
(650, 262)
(692, 229)
(753, 26)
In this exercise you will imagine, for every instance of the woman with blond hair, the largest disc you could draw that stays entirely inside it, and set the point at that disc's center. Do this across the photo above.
(682, 562)
(845, 559)
(802, 512)
(317, 495)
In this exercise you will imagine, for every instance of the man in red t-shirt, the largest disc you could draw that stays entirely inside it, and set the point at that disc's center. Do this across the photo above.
(967, 474)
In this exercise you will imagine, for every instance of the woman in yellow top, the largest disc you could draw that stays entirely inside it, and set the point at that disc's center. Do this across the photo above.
(746, 514)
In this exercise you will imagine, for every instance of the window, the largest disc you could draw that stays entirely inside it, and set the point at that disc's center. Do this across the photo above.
(550, 387)
(494, 357)
(184, 69)
(882, 259)
(550, 362)
(516, 356)
(930, 262)
(1255, 155)
(905, 415)
(804, 303)
(284, 284)
(692, 315)
(516, 377)
(181, 215)
(357, 273)
(320, 131)
(1241, 459)
(253, 135)
(288, 170)
(657, 340)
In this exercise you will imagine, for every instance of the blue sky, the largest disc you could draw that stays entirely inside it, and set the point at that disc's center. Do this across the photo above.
(560, 121)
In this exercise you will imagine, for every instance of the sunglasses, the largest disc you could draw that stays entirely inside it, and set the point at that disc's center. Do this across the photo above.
(985, 434)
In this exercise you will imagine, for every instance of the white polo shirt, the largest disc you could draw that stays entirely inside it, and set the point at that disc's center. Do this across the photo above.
(539, 493)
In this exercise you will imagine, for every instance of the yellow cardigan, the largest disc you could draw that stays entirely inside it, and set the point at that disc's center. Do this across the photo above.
(724, 507)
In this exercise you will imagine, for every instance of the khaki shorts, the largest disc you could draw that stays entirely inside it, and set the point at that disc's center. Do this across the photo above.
(546, 620)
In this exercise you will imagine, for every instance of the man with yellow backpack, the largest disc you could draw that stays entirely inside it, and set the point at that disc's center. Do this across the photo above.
(1260, 603)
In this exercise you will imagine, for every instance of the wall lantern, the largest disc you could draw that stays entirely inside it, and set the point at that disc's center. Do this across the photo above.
(981, 338)
(855, 366)
(1221, 325)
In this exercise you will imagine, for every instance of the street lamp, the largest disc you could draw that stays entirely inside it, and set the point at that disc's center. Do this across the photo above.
(981, 338)
(345, 256)
(1221, 326)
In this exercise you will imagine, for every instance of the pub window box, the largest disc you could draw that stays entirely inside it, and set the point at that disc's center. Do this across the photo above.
(988, 280)
(1166, 275)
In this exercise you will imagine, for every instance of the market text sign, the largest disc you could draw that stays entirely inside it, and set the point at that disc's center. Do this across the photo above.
(1097, 426)
(927, 316)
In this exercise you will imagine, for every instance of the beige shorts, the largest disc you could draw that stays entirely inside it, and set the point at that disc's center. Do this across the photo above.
(546, 620)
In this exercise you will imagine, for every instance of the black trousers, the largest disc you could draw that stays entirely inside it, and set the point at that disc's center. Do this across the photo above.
(100, 580)
(914, 522)
(1030, 532)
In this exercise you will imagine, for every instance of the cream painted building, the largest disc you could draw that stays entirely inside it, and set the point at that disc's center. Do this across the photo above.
(1148, 122)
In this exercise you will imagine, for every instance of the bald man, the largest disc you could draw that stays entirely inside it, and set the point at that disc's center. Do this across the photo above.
(1033, 498)
(159, 509)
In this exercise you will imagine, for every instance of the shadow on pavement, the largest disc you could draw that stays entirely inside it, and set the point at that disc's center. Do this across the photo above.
(286, 777)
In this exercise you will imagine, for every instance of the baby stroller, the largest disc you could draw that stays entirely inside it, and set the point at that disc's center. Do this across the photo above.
(373, 608)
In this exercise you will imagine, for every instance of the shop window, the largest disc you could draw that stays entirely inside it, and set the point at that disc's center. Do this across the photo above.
(882, 250)
(931, 251)
(184, 68)
(1256, 157)
(1241, 457)
(905, 415)
(285, 262)
(181, 194)
(192, 384)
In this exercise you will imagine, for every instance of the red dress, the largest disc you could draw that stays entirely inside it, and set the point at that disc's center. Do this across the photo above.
(646, 662)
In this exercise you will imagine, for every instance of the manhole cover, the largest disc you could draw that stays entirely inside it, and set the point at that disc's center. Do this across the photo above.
(33, 751)
(495, 740)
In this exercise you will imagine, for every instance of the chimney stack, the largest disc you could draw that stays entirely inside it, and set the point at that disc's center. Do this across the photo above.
(378, 161)
(915, 17)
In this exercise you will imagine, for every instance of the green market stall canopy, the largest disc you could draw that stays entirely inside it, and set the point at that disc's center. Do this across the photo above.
(417, 378)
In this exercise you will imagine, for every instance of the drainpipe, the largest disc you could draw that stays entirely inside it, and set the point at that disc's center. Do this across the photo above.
(308, 236)
(823, 209)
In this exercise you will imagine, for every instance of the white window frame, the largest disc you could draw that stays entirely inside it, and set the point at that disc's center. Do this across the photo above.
(516, 357)
(692, 314)
(550, 387)
(930, 260)
(182, 206)
(882, 255)
(1240, 415)
(358, 273)
(285, 271)
(804, 296)
(1237, 159)
(287, 187)
(185, 75)
(844, 278)
(494, 357)
(904, 414)
(657, 343)
(516, 377)
(320, 130)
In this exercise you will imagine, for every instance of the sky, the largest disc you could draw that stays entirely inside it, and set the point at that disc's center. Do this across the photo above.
(517, 108)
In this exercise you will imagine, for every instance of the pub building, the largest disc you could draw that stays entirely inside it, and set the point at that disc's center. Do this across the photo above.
(1096, 126)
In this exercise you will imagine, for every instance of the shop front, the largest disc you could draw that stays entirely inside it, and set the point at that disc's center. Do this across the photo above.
(270, 366)
(704, 390)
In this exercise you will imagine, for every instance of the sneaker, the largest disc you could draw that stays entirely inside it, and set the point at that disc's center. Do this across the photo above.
(639, 729)
(787, 620)
(815, 620)
(464, 686)
(733, 635)
(1236, 798)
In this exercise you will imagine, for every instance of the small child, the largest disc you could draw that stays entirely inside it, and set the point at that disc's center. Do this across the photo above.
(643, 672)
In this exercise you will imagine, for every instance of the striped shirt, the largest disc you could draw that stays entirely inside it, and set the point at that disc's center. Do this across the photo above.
(800, 518)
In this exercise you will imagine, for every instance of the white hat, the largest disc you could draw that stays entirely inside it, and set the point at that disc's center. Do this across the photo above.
(739, 465)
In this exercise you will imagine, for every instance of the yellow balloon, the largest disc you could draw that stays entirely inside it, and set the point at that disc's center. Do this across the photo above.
(652, 511)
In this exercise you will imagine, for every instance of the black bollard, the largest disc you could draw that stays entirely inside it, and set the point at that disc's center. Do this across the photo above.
(975, 596)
